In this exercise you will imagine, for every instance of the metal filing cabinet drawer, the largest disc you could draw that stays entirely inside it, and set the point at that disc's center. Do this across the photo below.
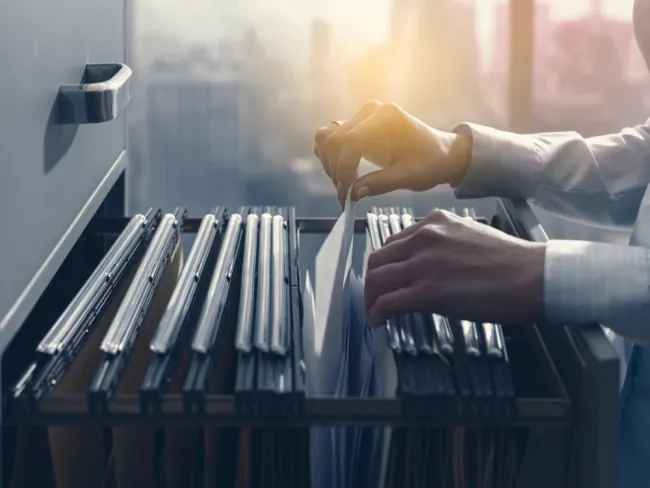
(58, 153)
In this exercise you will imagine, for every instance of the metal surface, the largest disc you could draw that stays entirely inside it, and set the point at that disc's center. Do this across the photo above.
(263, 308)
(85, 301)
(56, 175)
(183, 294)
(222, 410)
(209, 320)
(278, 333)
(306, 225)
(135, 304)
(244, 335)
(103, 95)
(17, 313)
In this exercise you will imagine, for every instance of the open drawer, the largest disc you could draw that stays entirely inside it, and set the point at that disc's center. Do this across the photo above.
(137, 334)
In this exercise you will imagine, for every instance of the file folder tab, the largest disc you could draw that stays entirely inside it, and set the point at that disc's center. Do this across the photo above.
(60, 346)
(120, 338)
(182, 311)
(244, 336)
(209, 321)
(211, 344)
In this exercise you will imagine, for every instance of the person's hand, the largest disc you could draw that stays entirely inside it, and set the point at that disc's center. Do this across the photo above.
(412, 155)
(459, 268)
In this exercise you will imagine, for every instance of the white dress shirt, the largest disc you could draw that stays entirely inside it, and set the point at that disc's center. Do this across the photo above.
(601, 179)
(605, 180)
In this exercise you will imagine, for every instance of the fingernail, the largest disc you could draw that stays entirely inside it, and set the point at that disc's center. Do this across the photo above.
(363, 192)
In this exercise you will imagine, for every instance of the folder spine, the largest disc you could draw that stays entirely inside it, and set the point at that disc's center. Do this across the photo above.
(120, 338)
(182, 311)
(296, 315)
(216, 312)
(64, 340)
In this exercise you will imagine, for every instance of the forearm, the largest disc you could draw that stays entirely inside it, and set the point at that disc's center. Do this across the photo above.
(600, 179)
(587, 282)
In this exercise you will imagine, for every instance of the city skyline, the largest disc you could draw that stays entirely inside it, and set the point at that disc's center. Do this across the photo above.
(292, 89)
(355, 24)
(366, 20)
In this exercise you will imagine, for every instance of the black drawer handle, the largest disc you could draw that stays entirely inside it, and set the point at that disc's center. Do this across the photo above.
(103, 95)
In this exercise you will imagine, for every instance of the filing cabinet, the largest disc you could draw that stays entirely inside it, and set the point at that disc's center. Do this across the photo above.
(64, 88)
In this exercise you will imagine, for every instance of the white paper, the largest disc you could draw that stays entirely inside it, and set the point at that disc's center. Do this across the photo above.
(329, 323)
(308, 338)
(388, 371)
(362, 382)
(333, 264)
(326, 344)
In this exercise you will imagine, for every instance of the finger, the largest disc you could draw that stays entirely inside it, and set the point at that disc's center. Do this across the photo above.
(409, 231)
(395, 177)
(346, 165)
(371, 138)
(321, 146)
(392, 304)
(396, 252)
(366, 138)
(387, 279)
(339, 139)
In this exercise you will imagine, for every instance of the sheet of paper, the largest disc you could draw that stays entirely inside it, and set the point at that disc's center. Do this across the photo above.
(309, 337)
(340, 355)
(362, 369)
(342, 435)
(388, 372)
(333, 264)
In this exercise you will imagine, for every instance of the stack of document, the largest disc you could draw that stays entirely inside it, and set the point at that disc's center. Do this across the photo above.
(341, 355)
(427, 361)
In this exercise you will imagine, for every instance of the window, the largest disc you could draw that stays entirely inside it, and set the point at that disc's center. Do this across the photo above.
(590, 77)
(230, 93)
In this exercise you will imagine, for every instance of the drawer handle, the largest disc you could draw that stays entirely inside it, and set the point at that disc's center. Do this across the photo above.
(103, 95)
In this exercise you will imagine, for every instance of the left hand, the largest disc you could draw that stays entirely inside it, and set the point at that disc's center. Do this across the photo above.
(459, 268)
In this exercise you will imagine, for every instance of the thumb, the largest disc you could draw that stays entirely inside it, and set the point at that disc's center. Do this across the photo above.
(392, 178)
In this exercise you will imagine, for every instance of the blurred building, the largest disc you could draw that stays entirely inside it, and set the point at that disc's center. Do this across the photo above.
(369, 75)
(589, 86)
(320, 43)
(438, 40)
(541, 43)
(325, 78)
(198, 129)
(587, 72)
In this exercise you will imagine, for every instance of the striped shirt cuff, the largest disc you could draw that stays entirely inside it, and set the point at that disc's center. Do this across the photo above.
(587, 282)
(504, 164)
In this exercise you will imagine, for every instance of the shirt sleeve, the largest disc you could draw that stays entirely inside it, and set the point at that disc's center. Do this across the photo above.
(598, 179)
(586, 282)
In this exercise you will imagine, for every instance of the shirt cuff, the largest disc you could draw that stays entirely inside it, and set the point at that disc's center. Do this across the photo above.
(504, 164)
(587, 282)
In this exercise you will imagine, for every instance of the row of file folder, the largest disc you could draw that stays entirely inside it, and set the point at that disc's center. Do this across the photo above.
(232, 319)
(436, 365)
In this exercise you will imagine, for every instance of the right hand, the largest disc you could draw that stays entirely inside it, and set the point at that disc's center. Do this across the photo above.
(411, 155)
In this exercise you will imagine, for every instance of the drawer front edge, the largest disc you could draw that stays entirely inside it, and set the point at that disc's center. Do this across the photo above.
(18, 311)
